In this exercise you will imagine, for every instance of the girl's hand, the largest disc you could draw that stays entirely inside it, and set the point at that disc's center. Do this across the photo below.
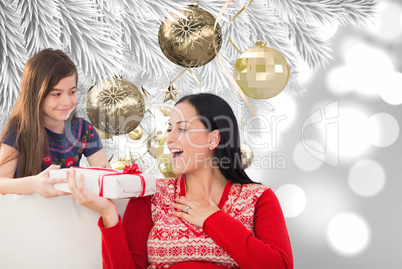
(103, 206)
(43, 185)
(102, 165)
(196, 213)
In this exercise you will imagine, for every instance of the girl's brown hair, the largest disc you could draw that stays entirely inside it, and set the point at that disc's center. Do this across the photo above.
(41, 73)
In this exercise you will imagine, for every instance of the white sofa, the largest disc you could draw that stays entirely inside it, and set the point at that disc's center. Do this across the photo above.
(49, 233)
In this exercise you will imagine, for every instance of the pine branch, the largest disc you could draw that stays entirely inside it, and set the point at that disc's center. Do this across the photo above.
(154, 10)
(293, 84)
(13, 54)
(141, 39)
(90, 41)
(325, 11)
(357, 12)
(271, 29)
(213, 79)
(41, 29)
(111, 11)
(241, 31)
(247, 121)
(312, 49)
(162, 8)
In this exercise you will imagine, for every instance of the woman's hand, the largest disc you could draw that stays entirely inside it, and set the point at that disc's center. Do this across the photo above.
(193, 211)
(43, 185)
(103, 206)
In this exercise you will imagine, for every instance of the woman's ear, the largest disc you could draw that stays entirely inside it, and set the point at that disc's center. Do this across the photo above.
(214, 139)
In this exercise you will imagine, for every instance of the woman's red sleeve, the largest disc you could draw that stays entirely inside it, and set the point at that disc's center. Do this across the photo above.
(124, 245)
(268, 247)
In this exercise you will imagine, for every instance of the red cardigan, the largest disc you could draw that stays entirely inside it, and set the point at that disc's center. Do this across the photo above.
(125, 245)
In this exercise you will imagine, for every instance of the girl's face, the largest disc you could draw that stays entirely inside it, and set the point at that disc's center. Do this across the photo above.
(188, 140)
(60, 101)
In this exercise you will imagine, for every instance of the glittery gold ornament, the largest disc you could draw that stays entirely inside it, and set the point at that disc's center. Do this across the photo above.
(165, 110)
(247, 155)
(164, 159)
(115, 109)
(153, 142)
(120, 163)
(261, 72)
(102, 134)
(170, 93)
(188, 41)
(136, 134)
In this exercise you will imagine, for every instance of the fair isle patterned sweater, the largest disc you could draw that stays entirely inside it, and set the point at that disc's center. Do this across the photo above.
(248, 232)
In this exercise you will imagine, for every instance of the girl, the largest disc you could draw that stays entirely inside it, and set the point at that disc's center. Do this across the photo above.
(213, 216)
(40, 134)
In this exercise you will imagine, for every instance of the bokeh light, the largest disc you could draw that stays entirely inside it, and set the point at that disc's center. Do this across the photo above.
(353, 133)
(368, 57)
(391, 88)
(348, 234)
(368, 67)
(306, 73)
(327, 30)
(292, 199)
(383, 129)
(387, 24)
(303, 159)
(396, 50)
(367, 70)
(340, 80)
(366, 178)
(285, 107)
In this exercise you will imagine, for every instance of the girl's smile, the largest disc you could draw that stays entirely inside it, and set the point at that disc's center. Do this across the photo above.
(59, 103)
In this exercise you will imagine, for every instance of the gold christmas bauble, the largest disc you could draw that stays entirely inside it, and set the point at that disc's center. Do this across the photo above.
(120, 163)
(115, 108)
(164, 159)
(188, 41)
(136, 134)
(247, 155)
(153, 142)
(261, 72)
(102, 134)
(165, 110)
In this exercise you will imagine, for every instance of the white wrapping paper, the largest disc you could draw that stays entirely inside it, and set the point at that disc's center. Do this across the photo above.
(114, 186)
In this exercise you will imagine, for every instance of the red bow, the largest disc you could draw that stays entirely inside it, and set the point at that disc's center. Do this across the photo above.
(132, 169)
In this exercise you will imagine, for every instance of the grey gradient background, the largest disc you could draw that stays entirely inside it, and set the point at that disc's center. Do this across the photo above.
(327, 189)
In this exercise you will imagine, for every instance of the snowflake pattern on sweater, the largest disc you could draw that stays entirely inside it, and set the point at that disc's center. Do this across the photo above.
(173, 240)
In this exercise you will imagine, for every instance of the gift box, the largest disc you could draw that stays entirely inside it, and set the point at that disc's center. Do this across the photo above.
(110, 183)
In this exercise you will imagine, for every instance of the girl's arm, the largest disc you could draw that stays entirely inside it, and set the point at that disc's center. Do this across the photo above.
(268, 247)
(98, 159)
(40, 183)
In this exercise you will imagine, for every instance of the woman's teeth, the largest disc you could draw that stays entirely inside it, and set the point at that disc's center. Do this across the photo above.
(176, 153)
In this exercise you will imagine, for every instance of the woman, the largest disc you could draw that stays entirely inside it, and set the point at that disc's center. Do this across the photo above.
(213, 216)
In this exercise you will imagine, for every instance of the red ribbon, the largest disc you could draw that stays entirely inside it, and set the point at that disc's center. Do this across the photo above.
(132, 169)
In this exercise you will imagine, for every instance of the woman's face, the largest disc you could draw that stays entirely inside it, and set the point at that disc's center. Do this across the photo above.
(188, 140)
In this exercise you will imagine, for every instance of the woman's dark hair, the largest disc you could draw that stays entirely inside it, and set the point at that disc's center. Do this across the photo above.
(216, 114)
